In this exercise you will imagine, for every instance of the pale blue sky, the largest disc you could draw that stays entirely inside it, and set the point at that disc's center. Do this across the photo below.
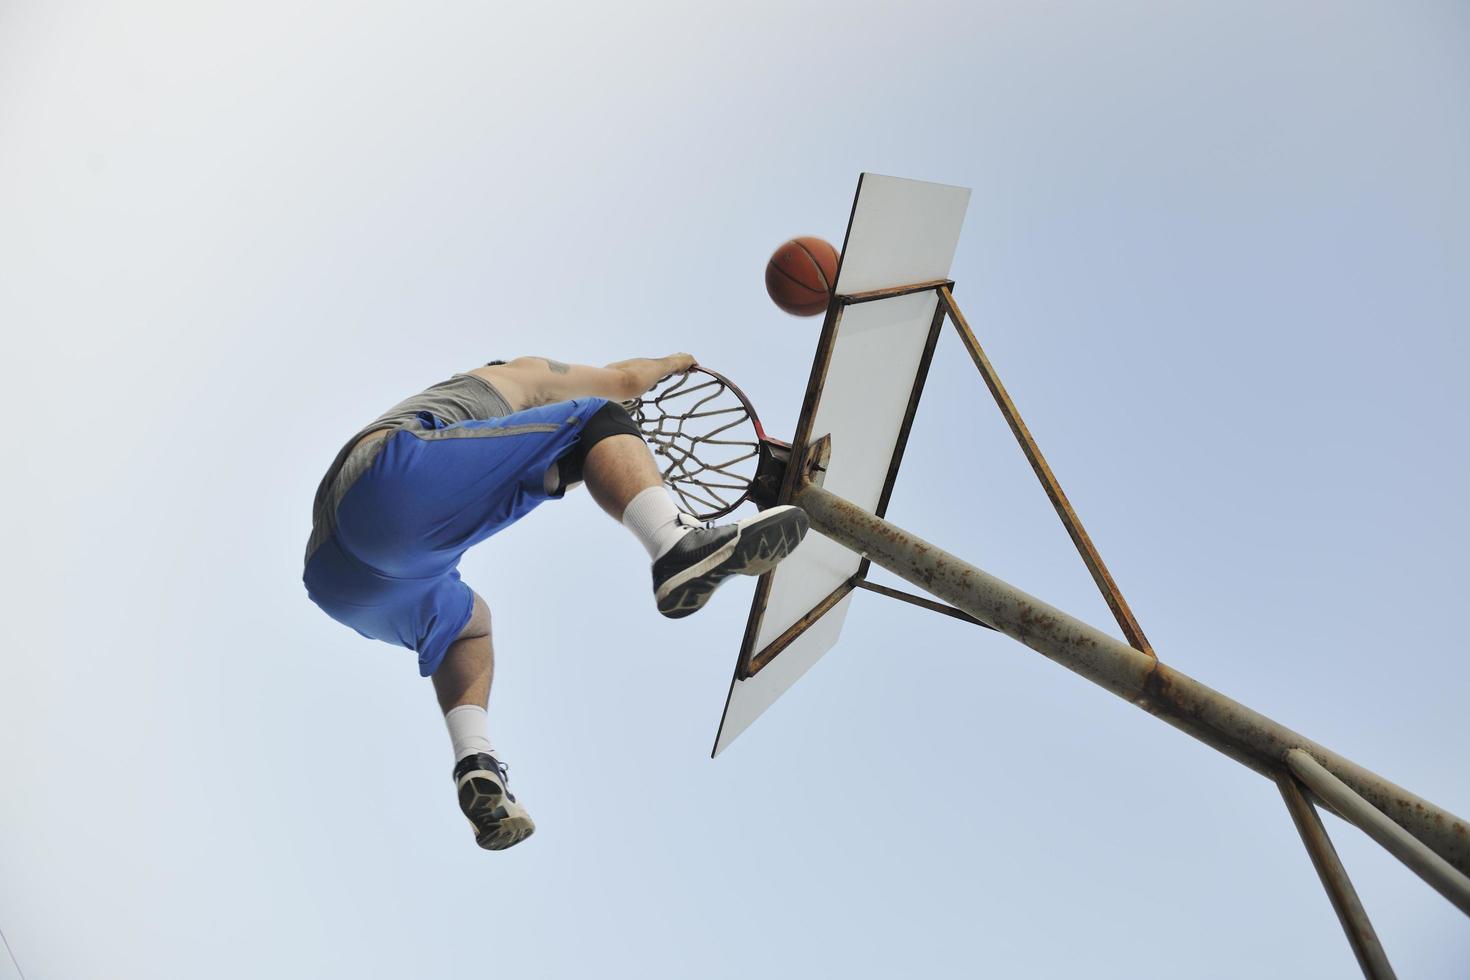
(1218, 252)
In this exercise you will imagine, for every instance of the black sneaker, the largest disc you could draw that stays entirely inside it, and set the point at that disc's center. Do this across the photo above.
(499, 821)
(686, 575)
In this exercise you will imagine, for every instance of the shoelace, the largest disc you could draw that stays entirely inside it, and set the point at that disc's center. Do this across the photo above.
(503, 771)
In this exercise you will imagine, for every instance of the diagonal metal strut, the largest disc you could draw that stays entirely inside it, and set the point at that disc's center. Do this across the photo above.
(1090, 556)
(1360, 934)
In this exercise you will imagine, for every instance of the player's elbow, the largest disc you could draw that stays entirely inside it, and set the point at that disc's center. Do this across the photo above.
(627, 384)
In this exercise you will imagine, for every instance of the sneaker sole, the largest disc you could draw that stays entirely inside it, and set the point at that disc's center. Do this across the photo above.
(759, 545)
(498, 821)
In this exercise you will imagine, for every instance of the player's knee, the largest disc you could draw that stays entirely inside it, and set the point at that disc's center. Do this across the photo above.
(609, 420)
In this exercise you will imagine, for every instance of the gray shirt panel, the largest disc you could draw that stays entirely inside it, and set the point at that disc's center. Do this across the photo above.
(458, 399)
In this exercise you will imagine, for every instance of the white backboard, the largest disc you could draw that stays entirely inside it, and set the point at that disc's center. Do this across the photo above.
(870, 366)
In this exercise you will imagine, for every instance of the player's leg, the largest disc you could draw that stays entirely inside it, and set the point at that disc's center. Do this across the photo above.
(689, 559)
(463, 678)
(462, 685)
(617, 469)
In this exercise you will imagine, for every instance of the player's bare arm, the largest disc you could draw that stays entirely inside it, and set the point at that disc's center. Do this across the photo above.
(528, 382)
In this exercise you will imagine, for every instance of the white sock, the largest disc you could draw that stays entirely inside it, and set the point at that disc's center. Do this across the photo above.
(654, 520)
(467, 730)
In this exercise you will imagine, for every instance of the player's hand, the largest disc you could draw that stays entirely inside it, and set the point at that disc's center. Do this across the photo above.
(681, 363)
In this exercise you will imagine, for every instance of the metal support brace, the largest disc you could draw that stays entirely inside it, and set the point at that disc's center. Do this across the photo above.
(1432, 842)
(922, 603)
(1090, 557)
(1439, 873)
(1340, 891)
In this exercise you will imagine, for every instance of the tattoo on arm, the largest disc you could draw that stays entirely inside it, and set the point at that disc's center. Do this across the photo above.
(557, 367)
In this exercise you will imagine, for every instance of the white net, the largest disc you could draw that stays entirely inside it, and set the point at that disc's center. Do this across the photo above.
(705, 437)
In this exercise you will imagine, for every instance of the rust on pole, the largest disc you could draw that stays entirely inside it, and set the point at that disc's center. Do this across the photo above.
(1344, 898)
(1220, 722)
(1100, 574)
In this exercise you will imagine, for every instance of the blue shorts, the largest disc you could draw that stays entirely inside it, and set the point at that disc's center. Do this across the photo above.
(390, 568)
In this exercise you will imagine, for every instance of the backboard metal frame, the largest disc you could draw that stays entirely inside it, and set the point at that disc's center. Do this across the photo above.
(751, 661)
(899, 242)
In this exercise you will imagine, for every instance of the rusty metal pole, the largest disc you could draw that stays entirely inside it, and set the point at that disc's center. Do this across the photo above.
(1360, 934)
(1435, 870)
(1220, 722)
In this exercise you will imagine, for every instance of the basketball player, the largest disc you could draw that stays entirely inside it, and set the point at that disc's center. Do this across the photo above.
(447, 468)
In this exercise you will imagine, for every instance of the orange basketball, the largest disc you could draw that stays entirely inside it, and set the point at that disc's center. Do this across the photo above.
(801, 275)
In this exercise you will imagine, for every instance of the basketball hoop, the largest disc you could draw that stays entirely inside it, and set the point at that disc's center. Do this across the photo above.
(708, 441)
